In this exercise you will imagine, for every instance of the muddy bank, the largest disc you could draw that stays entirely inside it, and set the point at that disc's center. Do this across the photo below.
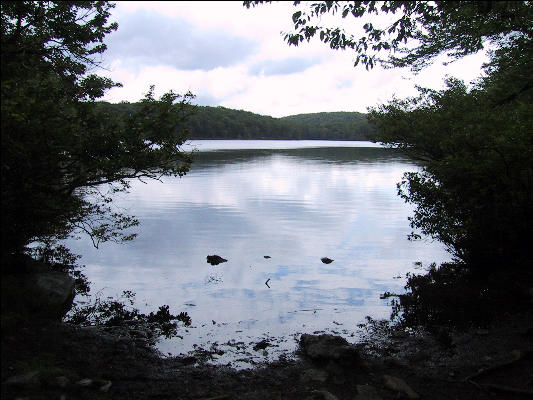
(59, 361)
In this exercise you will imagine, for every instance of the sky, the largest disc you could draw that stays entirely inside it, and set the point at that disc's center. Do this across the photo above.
(231, 56)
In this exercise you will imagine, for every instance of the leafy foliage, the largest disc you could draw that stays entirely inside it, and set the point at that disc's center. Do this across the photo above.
(411, 33)
(475, 144)
(448, 295)
(60, 258)
(63, 155)
(474, 193)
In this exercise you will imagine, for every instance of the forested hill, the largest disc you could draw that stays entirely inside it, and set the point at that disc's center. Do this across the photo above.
(331, 125)
(226, 123)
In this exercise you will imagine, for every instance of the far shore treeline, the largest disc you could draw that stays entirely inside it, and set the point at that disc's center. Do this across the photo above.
(225, 123)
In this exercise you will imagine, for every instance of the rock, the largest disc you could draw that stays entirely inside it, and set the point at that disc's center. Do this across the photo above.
(314, 375)
(215, 260)
(337, 372)
(263, 344)
(418, 356)
(34, 288)
(57, 291)
(62, 381)
(105, 388)
(322, 395)
(29, 379)
(399, 385)
(329, 348)
(84, 382)
(367, 392)
(326, 260)
(267, 257)
(528, 333)
(138, 333)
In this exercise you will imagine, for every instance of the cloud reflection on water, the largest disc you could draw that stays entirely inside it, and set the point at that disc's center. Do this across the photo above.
(295, 205)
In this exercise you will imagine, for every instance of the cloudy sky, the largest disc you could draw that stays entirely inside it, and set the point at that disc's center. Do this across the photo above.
(231, 56)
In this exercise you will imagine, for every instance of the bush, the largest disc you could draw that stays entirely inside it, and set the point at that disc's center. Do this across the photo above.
(449, 296)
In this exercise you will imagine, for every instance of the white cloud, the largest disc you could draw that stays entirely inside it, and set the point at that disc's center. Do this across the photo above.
(236, 57)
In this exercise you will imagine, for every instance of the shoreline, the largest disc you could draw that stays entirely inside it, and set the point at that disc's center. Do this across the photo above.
(117, 364)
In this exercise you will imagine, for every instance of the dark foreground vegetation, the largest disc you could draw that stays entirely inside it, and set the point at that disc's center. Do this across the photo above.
(64, 155)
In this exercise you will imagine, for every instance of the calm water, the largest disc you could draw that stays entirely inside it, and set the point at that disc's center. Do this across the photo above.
(293, 201)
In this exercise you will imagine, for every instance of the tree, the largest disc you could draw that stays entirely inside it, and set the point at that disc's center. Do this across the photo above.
(413, 33)
(474, 193)
(63, 154)
(475, 144)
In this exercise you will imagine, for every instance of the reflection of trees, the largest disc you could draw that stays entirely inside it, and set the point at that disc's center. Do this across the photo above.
(337, 155)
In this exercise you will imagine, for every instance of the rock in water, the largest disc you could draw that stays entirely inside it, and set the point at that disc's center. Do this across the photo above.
(326, 260)
(215, 260)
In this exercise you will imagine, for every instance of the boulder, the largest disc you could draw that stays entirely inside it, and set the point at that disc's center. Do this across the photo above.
(263, 344)
(34, 289)
(329, 348)
(55, 290)
(314, 375)
(399, 385)
(367, 392)
(322, 395)
(31, 378)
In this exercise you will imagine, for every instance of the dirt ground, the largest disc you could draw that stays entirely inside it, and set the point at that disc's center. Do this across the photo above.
(59, 361)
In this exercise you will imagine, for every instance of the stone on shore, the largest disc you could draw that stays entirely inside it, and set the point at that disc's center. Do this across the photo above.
(55, 290)
(33, 288)
(324, 348)
(314, 375)
(399, 385)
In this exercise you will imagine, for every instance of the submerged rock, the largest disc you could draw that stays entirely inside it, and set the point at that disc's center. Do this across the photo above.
(215, 260)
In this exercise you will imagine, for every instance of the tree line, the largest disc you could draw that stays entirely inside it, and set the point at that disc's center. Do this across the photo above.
(224, 123)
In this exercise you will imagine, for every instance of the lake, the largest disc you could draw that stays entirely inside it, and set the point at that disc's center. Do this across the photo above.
(293, 201)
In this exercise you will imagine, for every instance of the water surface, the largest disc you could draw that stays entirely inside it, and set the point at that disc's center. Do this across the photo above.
(294, 202)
